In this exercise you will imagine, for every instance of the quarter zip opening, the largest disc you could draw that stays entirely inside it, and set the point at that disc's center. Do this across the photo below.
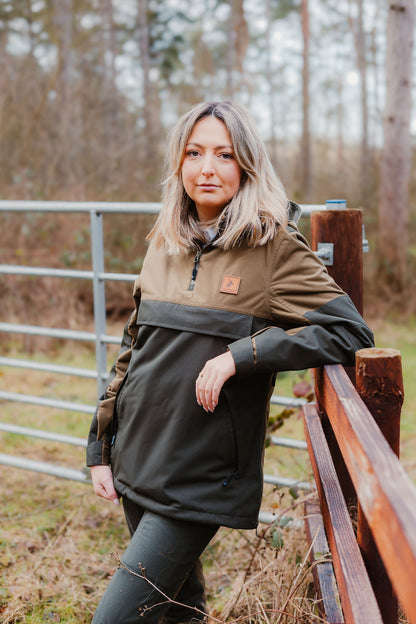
(195, 269)
(200, 250)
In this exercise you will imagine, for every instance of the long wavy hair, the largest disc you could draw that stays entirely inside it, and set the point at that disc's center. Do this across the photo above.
(255, 211)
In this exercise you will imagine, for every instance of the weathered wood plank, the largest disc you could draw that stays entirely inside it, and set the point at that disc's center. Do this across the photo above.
(357, 598)
(344, 478)
(322, 568)
(385, 492)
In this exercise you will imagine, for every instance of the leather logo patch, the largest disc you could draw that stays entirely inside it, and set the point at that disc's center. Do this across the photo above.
(230, 284)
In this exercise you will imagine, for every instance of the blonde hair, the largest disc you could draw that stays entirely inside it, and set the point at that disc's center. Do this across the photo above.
(255, 211)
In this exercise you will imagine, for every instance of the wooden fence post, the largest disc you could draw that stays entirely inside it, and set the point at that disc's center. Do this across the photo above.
(379, 382)
(344, 229)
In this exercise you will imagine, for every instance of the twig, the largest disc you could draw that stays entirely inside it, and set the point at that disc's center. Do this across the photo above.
(168, 599)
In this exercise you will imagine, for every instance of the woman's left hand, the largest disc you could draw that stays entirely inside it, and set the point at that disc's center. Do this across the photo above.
(212, 378)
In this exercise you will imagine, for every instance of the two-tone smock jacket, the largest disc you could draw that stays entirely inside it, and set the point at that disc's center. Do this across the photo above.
(276, 309)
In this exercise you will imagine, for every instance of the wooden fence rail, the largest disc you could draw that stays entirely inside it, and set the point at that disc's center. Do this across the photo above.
(377, 562)
(367, 502)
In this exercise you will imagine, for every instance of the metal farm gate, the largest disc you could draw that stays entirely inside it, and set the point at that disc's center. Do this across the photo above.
(98, 277)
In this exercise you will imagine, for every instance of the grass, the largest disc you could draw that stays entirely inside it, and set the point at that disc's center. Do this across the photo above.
(402, 336)
(60, 544)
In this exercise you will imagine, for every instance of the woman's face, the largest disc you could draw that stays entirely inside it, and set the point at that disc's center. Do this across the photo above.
(211, 176)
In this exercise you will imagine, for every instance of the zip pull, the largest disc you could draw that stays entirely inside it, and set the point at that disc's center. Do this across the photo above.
(195, 269)
(235, 475)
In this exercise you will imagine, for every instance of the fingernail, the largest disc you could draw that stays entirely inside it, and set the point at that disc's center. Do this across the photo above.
(116, 501)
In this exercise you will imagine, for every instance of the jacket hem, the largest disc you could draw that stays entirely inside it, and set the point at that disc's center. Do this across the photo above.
(190, 515)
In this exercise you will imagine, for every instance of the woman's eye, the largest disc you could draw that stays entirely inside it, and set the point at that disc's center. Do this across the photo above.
(192, 153)
(226, 156)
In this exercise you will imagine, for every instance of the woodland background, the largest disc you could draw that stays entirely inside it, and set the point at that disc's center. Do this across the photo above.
(88, 92)
(89, 89)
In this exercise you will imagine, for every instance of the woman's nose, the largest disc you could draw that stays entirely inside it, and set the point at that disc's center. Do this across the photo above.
(207, 166)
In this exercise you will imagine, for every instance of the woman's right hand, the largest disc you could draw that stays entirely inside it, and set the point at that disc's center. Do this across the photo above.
(102, 480)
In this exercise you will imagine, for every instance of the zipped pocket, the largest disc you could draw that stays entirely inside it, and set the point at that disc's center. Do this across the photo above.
(235, 474)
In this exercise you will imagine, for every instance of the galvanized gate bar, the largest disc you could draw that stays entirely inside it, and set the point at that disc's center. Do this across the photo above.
(80, 206)
(289, 401)
(35, 330)
(44, 435)
(289, 443)
(286, 482)
(99, 337)
(14, 269)
(67, 334)
(45, 467)
(45, 402)
(97, 250)
(105, 207)
(49, 368)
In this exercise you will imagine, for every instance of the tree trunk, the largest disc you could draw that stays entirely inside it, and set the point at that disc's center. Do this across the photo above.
(396, 156)
(270, 82)
(306, 155)
(237, 47)
(108, 43)
(379, 17)
(62, 18)
(341, 169)
(144, 48)
(151, 102)
(357, 27)
(109, 95)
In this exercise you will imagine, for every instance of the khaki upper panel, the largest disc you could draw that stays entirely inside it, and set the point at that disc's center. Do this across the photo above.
(278, 281)
(167, 278)
(300, 282)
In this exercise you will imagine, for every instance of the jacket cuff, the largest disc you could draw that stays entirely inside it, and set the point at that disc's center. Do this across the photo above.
(243, 355)
(96, 454)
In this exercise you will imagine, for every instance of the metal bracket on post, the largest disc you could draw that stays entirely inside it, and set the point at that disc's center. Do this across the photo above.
(97, 250)
(326, 253)
(366, 246)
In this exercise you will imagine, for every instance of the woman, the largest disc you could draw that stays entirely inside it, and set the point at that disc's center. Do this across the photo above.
(229, 294)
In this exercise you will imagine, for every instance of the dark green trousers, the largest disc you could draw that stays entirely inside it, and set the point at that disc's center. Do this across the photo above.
(160, 565)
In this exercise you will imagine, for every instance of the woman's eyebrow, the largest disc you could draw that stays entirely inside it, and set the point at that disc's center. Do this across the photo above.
(217, 147)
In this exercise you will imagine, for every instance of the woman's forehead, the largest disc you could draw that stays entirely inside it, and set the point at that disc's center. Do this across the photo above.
(210, 131)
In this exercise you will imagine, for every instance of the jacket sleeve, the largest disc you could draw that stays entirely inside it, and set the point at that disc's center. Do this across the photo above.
(314, 321)
(101, 430)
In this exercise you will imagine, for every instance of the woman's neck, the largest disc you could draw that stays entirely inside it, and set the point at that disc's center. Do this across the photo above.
(207, 224)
